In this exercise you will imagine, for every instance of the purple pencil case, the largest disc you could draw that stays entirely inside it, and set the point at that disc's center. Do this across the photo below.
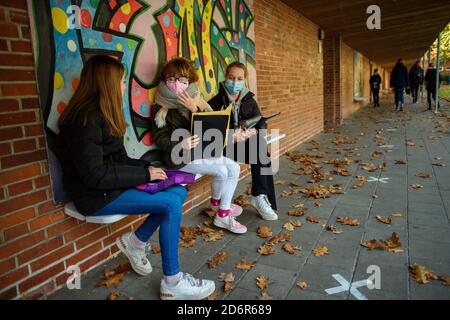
(173, 177)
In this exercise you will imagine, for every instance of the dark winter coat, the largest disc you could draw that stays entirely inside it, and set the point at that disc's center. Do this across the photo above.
(416, 75)
(375, 82)
(430, 79)
(162, 136)
(399, 76)
(95, 165)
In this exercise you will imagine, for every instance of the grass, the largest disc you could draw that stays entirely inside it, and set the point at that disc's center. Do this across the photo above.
(444, 91)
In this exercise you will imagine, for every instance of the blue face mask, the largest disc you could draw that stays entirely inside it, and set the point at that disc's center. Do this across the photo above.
(234, 87)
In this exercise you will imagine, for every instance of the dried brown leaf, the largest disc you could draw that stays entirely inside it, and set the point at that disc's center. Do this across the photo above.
(320, 251)
(349, 221)
(245, 265)
(156, 250)
(262, 282)
(302, 285)
(266, 249)
(421, 274)
(282, 237)
(113, 295)
(423, 175)
(264, 296)
(445, 279)
(214, 236)
(214, 296)
(313, 219)
(334, 229)
(385, 220)
(264, 232)
(360, 181)
(209, 212)
(218, 259)
(242, 201)
(291, 249)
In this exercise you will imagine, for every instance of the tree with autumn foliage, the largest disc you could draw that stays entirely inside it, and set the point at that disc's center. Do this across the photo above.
(445, 46)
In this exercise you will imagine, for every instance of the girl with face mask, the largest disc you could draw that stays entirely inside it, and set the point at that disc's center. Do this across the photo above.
(176, 99)
(234, 90)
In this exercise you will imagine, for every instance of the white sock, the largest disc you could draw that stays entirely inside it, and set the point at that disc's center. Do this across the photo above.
(173, 280)
(136, 242)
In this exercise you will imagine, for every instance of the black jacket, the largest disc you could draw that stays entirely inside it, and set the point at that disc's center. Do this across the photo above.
(162, 136)
(249, 107)
(416, 75)
(430, 79)
(399, 76)
(375, 82)
(96, 168)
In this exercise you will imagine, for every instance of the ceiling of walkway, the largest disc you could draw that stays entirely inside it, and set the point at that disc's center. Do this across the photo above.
(408, 27)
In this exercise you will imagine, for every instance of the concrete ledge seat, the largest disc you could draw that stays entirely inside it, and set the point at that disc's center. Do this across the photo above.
(71, 211)
(361, 98)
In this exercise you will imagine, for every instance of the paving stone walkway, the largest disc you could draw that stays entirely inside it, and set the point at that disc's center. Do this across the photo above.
(419, 138)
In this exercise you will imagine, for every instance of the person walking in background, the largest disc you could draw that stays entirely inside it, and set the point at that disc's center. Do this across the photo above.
(430, 82)
(399, 81)
(375, 84)
(415, 80)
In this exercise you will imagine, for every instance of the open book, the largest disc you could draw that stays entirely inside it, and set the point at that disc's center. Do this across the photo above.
(212, 129)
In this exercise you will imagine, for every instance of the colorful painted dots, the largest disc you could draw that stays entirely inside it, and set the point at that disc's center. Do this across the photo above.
(58, 81)
(59, 18)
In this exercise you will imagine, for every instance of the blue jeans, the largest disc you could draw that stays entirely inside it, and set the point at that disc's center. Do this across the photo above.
(165, 208)
(399, 98)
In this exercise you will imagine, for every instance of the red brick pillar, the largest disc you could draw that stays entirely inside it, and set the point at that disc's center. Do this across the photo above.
(332, 80)
(26, 205)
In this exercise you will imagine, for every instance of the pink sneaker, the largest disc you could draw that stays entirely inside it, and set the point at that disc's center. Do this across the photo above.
(229, 222)
(236, 210)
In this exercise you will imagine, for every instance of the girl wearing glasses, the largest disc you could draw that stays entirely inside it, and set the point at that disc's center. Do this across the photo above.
(176, 99)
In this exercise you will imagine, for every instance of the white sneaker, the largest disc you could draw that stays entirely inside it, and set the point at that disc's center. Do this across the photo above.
(229, 222)
(188, 288)
(138, 258)
(236, 210)
(262, 205)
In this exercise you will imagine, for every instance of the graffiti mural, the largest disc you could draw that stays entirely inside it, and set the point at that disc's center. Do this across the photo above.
(143, 35)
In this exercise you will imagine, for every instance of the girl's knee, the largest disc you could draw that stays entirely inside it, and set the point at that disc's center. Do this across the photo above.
(220, 172)
(173, 205)
(234, 170)
(179, 191)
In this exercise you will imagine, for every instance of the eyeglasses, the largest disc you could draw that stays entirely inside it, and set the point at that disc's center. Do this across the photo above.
(184, 80)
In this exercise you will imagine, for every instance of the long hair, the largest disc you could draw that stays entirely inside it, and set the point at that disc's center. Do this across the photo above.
(100, 87)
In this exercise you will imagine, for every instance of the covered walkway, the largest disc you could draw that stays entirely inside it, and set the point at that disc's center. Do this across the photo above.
(403, 161)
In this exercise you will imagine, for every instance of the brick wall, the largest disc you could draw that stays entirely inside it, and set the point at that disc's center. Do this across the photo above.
(37, 241)
(332, 80)
(289, 71)
(349, 106)
(339, 80)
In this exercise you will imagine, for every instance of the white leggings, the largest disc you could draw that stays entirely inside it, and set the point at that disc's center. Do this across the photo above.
(225, 177)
